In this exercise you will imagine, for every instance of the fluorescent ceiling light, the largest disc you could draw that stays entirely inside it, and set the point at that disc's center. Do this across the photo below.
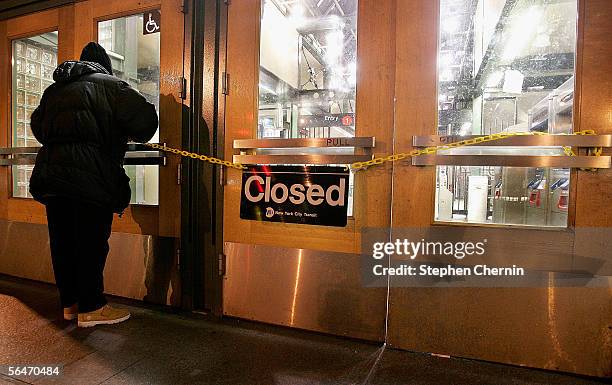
(298, 15)
(513, 82)
(451, 24)
(297, 10)
(335, 45)
(522, 32)
(465, 128)
(446, 60)
(447, 75)
(495, 78)
(267, 89)
(351, 69)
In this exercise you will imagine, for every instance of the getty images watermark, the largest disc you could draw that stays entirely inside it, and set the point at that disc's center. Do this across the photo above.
(458, 250)
(480, 257)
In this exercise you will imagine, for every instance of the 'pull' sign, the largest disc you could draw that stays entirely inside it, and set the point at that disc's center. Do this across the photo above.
(310, 195)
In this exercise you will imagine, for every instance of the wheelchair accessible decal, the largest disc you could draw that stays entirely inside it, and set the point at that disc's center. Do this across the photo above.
(151, 22)
(310, 195)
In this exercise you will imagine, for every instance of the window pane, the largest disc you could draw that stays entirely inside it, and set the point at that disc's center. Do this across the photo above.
(34, 60)
(505, 66)
(308, 69)
(135, 59)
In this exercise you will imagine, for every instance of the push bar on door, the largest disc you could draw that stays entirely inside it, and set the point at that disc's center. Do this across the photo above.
(463, 157)
(317, 151)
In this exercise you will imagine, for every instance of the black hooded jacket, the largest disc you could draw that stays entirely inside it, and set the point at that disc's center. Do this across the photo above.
(84, 122)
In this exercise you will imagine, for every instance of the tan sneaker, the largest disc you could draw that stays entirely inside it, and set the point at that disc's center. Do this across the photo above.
(71, 312)
(106, 315)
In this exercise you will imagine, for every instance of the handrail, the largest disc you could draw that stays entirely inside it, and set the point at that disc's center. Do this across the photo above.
(527, 140)
(316, 151)
(137, 154)
(316, 159)
(356, 142)
(514, 161)
(454, 156)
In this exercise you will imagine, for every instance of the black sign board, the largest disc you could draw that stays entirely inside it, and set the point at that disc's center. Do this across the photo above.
(311, 195)
(326, 120)
(151, 22)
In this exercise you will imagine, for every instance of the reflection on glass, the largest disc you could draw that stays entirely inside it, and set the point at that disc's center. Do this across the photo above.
(505, 66)
(29, 80)
(308, 69)
(135, 59)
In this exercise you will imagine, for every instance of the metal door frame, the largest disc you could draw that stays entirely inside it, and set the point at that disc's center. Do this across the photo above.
(203, 132)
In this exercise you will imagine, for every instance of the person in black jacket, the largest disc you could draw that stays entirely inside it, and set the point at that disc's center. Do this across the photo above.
(84, 122)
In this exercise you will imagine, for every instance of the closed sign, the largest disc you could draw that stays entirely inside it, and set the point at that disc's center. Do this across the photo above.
(315, 195)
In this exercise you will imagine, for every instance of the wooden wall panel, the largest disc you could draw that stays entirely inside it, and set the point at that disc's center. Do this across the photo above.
(66, 48)
(416, 110)
(33, 24)
(83, 26)
(4, 116)
(111, 9)
(173, 65)
(593, 194)
(241, 104)
(375, 110)
(565, 329)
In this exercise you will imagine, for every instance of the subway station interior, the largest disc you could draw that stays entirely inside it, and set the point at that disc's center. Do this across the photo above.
(296, 140)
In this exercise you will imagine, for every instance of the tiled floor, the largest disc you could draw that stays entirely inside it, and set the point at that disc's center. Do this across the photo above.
(158, 346)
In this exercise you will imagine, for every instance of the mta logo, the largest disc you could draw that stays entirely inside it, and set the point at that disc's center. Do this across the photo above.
(269, 212)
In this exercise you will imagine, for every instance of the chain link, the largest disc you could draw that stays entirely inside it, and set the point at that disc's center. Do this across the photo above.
(462, 143)
(389, 158)
(193, 155)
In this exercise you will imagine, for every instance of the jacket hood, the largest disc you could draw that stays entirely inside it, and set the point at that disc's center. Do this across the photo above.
(70, 70)
(94, 52)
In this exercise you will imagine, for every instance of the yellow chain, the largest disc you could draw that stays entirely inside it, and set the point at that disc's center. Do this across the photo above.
(467, 142)
(389, 158)
(193, 155)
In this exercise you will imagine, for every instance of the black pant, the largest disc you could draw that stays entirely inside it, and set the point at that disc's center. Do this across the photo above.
(79, 235)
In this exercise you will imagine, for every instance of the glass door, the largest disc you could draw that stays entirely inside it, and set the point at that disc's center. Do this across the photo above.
(135, 57)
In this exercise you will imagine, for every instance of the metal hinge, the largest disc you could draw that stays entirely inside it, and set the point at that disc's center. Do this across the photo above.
(179, 174)
(221, 264)
(178, 259)
(227, 2)
(225, 83)
(185, 6)
(183, 93)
